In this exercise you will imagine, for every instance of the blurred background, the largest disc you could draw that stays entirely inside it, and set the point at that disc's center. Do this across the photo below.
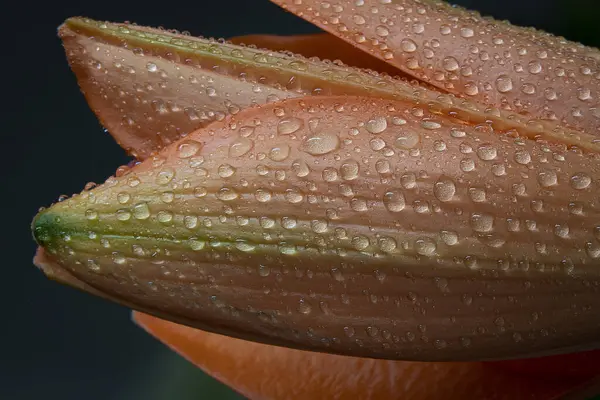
(58, 343)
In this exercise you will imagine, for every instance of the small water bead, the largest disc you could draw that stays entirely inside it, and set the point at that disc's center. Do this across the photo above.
(387, 244)
(246, 131)
(444, 189)
(91, 214)
(319, 226)
(188, 148)
(376, 125)
(321, 144)
(487, 152)
(547, 178)
(450, 64)
(360, 242)
(499, 169)
(330, 174)
(576, 208)
(289, 125)
(528, 88)
(467, 165)
(118, 258)
(467, 32)
(408, 46)
(288, 222)
(477, 195)
(141, 211)
(300, 168)
(190, 221)
(349, 170)
(293, 196)
(244, 246)
(123, 198)
(408, 180)
(240, 147)
(394, 200)
(383, 167)
(123, 215)
(165, 176)
(226, 170)
(263, 195)
(358, 205)
(167, 197)
(580, 181)
(377, 144)
(358, 19)
(522, 157)
(227, 194)
(151, 67)
(164, 216)
(266, 222)
(481, 222)
(439, 145)
(450, 238)
(425, 246)
(504, 84)
(430, 125)
(407, 140)
(280, 153)
(562, 231)
(304, 307)
(382, 31)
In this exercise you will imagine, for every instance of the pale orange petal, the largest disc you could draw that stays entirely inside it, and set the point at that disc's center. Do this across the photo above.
(515, 68)
(351, 225)
(265, 372)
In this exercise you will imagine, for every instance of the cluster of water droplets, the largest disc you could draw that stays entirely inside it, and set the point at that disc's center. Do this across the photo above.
(512, 68)
(363, 205)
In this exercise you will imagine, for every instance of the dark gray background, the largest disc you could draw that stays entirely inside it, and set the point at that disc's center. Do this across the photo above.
(58, 343)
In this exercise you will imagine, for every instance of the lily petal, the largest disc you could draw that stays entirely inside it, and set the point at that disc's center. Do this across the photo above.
(270, 373)
(150, 87)
(519, 69)
(420, 237)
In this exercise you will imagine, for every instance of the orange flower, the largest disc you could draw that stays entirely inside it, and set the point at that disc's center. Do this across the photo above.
(448, 213)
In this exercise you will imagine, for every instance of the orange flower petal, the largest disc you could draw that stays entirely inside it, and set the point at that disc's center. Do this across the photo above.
(520, 69)
(352, 225)
(266, 372)
(150, 87)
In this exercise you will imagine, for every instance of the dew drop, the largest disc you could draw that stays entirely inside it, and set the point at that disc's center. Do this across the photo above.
(504, 84)
(349, 170)
(444, 189)
(289, 125)
(407, 140)
(481, 222)
(141, 211)
(547, 178)
(580, 181)
(240, 147)
(188, 148)
(279, 153)
(487, 152)
(376, 125)
(321, 144)
(425, 246)
(394, 200)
